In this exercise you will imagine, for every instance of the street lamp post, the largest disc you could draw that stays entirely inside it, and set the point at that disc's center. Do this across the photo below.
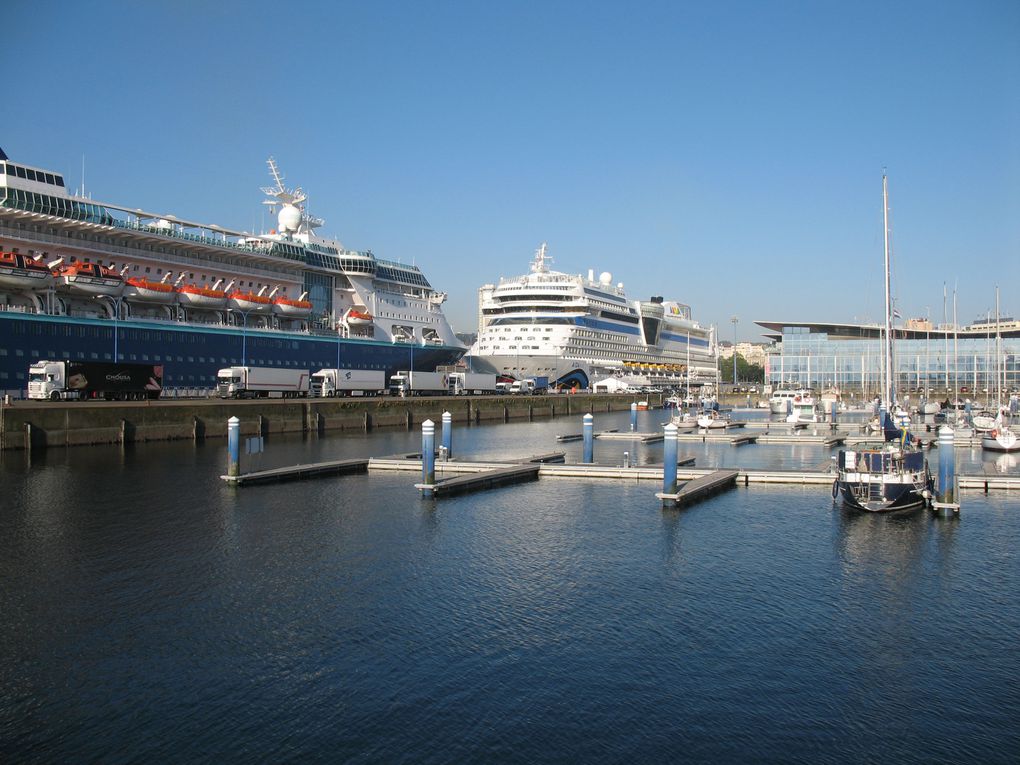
(734, 320)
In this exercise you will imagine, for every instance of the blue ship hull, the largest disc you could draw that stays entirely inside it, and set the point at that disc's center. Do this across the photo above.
(190, 354)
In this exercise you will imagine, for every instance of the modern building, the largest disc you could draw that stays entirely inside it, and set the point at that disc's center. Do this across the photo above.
(849, 356)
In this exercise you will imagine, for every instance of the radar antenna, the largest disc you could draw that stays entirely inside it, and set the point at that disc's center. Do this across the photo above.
(538, 265)
(280, 195)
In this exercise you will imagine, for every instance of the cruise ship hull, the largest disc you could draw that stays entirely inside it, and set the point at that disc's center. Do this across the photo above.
(190, 354)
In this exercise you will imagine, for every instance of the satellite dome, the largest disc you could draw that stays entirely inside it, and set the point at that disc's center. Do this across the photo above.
(289, 218)
(605, 278)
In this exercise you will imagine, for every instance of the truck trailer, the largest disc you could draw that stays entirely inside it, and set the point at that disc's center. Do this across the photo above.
(76, 380)
(348, 382)
(407, 383)
(472, 383)
(261, 382)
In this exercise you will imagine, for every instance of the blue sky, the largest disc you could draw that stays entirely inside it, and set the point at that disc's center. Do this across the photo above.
(728, 155)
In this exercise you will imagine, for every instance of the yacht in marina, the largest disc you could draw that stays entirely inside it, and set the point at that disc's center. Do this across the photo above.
(577, 330)
(88, 280)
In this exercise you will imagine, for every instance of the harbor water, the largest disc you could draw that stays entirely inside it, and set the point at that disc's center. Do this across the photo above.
(153, 613)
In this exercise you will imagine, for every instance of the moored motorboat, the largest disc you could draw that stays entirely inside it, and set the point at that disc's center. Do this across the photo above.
(712, 420)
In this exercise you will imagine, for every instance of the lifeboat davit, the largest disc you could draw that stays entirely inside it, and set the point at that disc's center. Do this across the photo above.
(20, 272)
(355, 318)
(249, 301)
(295, 308)
(89, 279)
(137, 288)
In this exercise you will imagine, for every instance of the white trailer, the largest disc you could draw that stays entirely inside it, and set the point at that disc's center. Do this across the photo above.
(468, 383)
(420, 384)
(262, 382)
(348, 382)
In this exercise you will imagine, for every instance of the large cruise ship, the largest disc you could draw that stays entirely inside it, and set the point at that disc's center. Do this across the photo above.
(576, 331)
(88, 280)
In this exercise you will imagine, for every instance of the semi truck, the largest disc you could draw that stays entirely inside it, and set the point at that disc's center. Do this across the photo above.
(348, 382)
(407, 383)
(472, 383)
(261, 382)
(76, 380)
(530, 385)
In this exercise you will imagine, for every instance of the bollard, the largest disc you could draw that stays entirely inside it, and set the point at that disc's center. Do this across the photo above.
(588, 431)
(233, 447)
(626, 459)
(669, 460)
(946, 497)
(832, 415)
(633, 416)
(448, 434)
(428, 457)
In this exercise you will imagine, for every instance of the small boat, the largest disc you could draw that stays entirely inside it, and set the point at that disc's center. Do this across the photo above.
(712, 420)
(982, 422)
(21, 272)
(642, 406)
(208, 298)
(249, 301)
(89, 279)
(293, 308)
(803, 409)
(142, 290)
(1000, 439)
(356, 318)
(783, 398)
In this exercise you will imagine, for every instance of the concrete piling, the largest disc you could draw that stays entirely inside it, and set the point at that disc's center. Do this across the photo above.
(428, 457)
(448, 434)
(946, 502)
(633, 416)
(588, 432)
(233, 447)
(669, 461)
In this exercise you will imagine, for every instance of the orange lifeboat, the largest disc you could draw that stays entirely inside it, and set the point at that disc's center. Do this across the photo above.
(295, 308)
(201, 297)
(89, 279)
(249, 301)
(357, 318)
(137, 288)
(20, 272)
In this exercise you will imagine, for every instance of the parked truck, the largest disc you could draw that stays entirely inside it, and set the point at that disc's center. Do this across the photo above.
(348, 382)
(472, 383)
(530, 386)
(262, 382)
(71, 380)
(407, 383)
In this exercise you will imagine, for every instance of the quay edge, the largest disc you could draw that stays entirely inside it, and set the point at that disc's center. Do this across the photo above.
(44, 424)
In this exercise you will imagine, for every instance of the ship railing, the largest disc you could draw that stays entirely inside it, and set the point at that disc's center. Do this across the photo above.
(15, 309)
(108, 248)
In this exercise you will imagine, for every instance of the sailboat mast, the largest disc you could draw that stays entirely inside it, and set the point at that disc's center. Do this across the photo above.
(888, 386)
(998, 353)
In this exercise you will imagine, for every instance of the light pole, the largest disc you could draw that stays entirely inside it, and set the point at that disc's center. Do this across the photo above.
(734, 319)
(115, 302)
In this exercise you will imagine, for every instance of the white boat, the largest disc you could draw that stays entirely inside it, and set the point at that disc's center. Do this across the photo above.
(803, 409)
(249, 302)
(895, 476)
(89, 279)
(576, 330)
(712, 420)
(144, 291)
(1000, 437)
(982, 422)
(783, 399)
(298, 309)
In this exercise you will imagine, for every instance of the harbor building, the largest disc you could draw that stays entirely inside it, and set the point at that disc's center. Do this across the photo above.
(941, 359)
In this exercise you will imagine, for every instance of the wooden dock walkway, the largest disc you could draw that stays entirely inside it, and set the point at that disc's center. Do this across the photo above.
(701, 487)
(298, 472)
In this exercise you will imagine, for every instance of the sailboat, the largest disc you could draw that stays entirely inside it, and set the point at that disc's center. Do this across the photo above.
(1000, 438)
(894, 476)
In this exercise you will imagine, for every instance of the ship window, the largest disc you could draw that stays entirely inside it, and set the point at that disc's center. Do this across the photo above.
(60, 180)
(19, 171)
(3, 168)
(31, 174)
(49, 178)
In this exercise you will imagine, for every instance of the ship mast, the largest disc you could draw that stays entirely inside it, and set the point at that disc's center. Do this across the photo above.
(888, 389)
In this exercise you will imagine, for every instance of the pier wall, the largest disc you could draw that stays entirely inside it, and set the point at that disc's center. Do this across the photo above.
(44, 424)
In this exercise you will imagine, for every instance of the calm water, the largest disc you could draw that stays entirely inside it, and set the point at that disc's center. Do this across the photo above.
(151, 613)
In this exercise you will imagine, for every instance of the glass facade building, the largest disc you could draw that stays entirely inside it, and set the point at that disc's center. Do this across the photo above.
(849, 357)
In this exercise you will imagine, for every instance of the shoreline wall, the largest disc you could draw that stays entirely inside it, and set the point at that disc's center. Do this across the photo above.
(43, 424)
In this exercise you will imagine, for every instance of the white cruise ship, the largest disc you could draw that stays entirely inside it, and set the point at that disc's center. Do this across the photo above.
(577, 331)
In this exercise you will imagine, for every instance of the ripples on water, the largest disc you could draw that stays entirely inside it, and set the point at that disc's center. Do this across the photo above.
(151, 613)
